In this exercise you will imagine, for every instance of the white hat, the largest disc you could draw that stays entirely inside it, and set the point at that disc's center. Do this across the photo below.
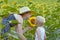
(40, 19)
(24, 9)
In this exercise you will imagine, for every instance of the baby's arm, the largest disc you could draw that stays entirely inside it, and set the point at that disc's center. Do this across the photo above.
(45, 37)
(38, 34)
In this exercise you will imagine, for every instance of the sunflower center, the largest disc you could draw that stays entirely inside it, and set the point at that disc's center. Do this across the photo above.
(33, 21)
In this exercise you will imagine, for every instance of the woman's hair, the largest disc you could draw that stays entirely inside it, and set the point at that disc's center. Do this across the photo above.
(25, 13)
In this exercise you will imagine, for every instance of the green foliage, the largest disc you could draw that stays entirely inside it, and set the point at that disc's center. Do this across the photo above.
(15, 22)
(48, 9)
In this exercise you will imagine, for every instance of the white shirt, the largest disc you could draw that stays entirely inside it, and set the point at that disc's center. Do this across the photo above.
(42, 33)
(19, 18)
(20, 25)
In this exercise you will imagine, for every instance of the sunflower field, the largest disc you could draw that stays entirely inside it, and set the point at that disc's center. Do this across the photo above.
(50, 9)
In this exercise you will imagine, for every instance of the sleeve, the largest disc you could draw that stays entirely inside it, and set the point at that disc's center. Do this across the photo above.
(19, 18)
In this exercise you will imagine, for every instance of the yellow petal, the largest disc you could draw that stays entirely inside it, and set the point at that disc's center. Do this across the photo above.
(31, 20)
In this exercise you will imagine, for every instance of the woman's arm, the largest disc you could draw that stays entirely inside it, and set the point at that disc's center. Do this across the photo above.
(27, 28)
(19, 26)
(20, 32)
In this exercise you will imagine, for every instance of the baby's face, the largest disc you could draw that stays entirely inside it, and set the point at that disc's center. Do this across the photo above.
(38, 23)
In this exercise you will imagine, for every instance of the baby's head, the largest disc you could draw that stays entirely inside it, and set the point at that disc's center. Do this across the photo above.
(40, 20)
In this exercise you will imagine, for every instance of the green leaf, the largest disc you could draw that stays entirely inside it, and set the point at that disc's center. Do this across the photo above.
(14, 22)
(12, 9)
(6, 1)
(4, 14)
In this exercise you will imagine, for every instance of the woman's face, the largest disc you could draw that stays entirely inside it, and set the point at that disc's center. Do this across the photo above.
(27, 15)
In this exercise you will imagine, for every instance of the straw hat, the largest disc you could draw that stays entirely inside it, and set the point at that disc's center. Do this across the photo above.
(24, 9)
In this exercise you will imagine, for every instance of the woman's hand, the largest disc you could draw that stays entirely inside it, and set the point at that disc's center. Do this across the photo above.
(27, 28)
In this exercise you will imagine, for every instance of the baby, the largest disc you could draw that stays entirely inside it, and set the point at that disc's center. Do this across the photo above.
(40, 31)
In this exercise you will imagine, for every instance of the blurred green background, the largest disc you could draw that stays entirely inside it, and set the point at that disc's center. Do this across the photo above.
(50, 9)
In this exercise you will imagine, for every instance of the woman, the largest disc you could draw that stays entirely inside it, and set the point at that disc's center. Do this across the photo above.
(25, 13)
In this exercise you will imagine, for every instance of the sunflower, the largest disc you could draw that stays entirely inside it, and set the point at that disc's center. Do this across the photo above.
(56, 4)
(32, 21)
(1, 1)
(4, 6)
(14, 3)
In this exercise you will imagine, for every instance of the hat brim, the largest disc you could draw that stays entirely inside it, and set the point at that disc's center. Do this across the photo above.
(32, 12)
